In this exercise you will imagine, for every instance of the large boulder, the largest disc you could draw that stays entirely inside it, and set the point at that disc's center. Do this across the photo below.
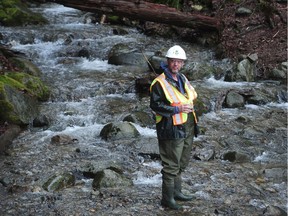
(16, 107)
(32, 84)
(234, 100)
(110, 179)
(280, 73)
(90, 168)
(122, 54)
(19, 96)
(119, 130)
(245, 70)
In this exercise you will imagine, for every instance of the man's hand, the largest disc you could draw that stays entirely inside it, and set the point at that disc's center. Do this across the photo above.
(186, 108)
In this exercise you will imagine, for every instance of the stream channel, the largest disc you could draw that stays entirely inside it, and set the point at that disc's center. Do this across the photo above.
(88, 93)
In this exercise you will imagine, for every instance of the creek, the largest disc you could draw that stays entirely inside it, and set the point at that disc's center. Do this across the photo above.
(238, 166)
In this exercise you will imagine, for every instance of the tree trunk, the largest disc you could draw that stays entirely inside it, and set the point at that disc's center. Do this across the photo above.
(147, 11)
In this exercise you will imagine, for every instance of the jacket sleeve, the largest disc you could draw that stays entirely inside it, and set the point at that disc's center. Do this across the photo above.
(159, 103)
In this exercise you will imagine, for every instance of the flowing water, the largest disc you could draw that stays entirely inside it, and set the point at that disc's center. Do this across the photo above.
(87, 93)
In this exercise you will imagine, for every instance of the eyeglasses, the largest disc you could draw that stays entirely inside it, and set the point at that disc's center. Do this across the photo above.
(178, 61)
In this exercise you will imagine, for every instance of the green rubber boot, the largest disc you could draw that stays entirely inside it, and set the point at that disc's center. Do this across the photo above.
(168, 193)
(178, 195)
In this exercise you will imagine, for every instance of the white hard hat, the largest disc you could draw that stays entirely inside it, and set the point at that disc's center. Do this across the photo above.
(176, 52)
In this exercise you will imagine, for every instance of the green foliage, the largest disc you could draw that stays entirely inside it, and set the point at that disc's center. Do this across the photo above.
(113, 18)
(9, 3)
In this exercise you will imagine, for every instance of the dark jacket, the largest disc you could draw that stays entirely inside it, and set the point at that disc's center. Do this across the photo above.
(159, 104)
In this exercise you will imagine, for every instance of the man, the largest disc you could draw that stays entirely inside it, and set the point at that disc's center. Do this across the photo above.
(171, 99)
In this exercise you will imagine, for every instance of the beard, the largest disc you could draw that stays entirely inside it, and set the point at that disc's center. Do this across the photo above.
(175, 70)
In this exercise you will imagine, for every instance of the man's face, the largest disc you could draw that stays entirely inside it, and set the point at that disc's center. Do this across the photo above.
(175, 64)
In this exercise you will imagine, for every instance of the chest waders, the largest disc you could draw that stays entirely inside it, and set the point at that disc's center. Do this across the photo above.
(175, 155)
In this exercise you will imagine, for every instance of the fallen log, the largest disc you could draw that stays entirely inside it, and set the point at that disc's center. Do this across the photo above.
(146, 11)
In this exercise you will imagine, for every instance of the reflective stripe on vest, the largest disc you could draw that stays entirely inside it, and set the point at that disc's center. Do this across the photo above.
(176, 98)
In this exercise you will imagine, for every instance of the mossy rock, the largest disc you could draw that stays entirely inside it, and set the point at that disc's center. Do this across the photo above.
(32, 84)
(6, 107)
(119, 130)
(16, 13)
(110, 179)
(24, 65)
(19, 96)
(59, 181)
(16, 107)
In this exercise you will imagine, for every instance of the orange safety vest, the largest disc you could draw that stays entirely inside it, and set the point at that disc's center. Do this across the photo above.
(176, 98)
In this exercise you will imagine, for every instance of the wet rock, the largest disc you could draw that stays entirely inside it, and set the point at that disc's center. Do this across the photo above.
(252, 132)
(41, 121)
(237, 157)
(90, 169)
(234, 100)
(260, 98)
(279, 73)
(141, 118)
(63, 139)
(119, 130)
(5, 181)
(20, 94)
(18, 189)
(83, 53)
(10, 133)
(31, 85)
(242, 11)
(69, 39)
(148, 147)
(253, 57)
(244, 71)
(204, 154)
(155, 62)
(122, 54)
(59, 181)
(17, 107)
(282, 94)
(243, 119)
(109, 178)
(278, 174)
(274, 211)
(26, 66)
(199, 70)
(119, 31)
(89, 18)
(142, 85)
